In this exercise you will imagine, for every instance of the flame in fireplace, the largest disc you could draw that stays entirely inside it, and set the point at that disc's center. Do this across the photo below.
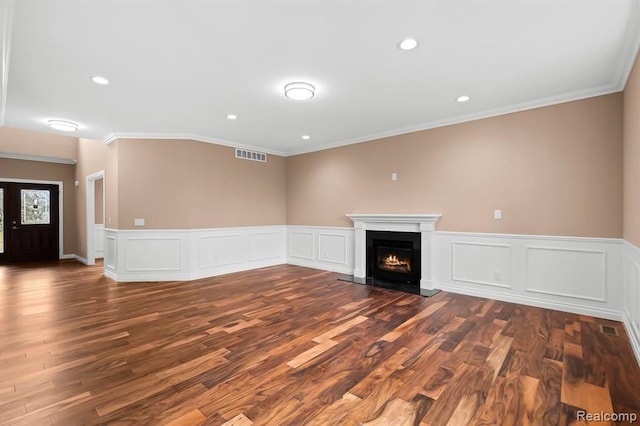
(393, 262)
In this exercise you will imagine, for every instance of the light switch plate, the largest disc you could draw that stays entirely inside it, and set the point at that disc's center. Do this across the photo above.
(497, 214)
(138, 222)
(394, 176)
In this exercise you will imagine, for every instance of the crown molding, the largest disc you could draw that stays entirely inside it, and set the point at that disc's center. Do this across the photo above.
(111, 137)
(631, 46)
(6, 15)
(553, 100)
(524, 106)
(42, 158)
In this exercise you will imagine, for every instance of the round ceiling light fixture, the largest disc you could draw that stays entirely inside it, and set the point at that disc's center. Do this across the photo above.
(306, 137)
(98, 79)
(63, 125)
(299, 91)
(408, 44)
(232, 117)
(463, 98)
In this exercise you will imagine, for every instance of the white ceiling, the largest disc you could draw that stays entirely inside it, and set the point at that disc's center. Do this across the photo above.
(178, 67)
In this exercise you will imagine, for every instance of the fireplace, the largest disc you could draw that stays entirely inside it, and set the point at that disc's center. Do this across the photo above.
(394, 257)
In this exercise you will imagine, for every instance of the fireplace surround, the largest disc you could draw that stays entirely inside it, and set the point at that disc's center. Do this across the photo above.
(422, 224)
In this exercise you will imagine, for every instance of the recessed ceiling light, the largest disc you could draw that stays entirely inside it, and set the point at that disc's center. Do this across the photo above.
(464, 98)
(65, 126)
(299, 91)
(306, 137)
(232, 117)
(98, 79)
(408, 44)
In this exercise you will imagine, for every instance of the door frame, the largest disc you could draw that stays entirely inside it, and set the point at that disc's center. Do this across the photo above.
(91, 211)
(60, 184)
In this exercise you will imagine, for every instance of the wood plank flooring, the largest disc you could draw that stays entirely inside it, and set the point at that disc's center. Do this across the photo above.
(291, 345)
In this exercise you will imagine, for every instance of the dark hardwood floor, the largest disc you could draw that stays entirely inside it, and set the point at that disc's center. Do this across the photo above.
(291, 345)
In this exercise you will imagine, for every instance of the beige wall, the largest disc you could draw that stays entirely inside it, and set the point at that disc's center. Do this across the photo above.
(99, 202)
(36, 143)
(178, 184)
(93, 157)
(36, 170)
(553, 171)
(631, 137)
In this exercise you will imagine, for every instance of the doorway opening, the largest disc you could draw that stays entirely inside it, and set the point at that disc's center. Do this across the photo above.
(95, 238)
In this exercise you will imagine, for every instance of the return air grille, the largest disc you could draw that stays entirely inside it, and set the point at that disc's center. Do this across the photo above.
(607, 329)
(251, 155)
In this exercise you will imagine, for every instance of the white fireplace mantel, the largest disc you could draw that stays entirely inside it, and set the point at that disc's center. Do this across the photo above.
(423, 223)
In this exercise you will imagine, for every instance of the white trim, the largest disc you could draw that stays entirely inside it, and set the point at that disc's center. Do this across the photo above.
(466, 243)
(509, 109)
(539, 103)
(631, 296)
(60, 206)
(630, 49)
(558, 293)
(41, 158)
(6, 13)
(80, 259)
(178, 268)
(111, 137)
(90, 209)
(531, 301)
(133, 256)
(533, 237)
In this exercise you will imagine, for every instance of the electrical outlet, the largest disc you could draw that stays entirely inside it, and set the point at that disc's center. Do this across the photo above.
(138, 222)
(394, 176)
(497, 214)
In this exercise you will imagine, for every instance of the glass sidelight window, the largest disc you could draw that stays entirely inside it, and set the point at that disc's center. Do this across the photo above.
(35, 207)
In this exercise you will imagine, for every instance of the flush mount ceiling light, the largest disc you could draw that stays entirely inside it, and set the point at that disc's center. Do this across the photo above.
(98, 79)
(65, 126)
(299, 91)
(232, 117)
(306, 137)
(464, 98)
(408, 44)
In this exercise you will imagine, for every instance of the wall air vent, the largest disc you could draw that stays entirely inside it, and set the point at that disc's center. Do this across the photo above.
(251, 155)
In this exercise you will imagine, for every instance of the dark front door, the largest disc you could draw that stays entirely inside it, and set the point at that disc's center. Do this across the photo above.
(28, 222)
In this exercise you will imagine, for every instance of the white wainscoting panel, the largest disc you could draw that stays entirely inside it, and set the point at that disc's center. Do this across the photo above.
(631, 308)
(167, 255)
(332, 248)
(481, 263)
(261, 246)
(111, 251)
(98, 240)
(301, 244)
(219, 250)
(573, 274)
(320, 247)
(152, 254)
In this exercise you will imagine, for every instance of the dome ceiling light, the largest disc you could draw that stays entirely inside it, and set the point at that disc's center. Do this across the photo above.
(65, 126)
(299, 91)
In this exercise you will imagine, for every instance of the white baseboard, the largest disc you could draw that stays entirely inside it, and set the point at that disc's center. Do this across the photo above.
(579, 275)
(75, 257)
(631, 283)
(574, 308)
(321, 247)
(184, 255)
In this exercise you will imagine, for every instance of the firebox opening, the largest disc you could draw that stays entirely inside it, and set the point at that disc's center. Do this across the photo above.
(394, 259)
